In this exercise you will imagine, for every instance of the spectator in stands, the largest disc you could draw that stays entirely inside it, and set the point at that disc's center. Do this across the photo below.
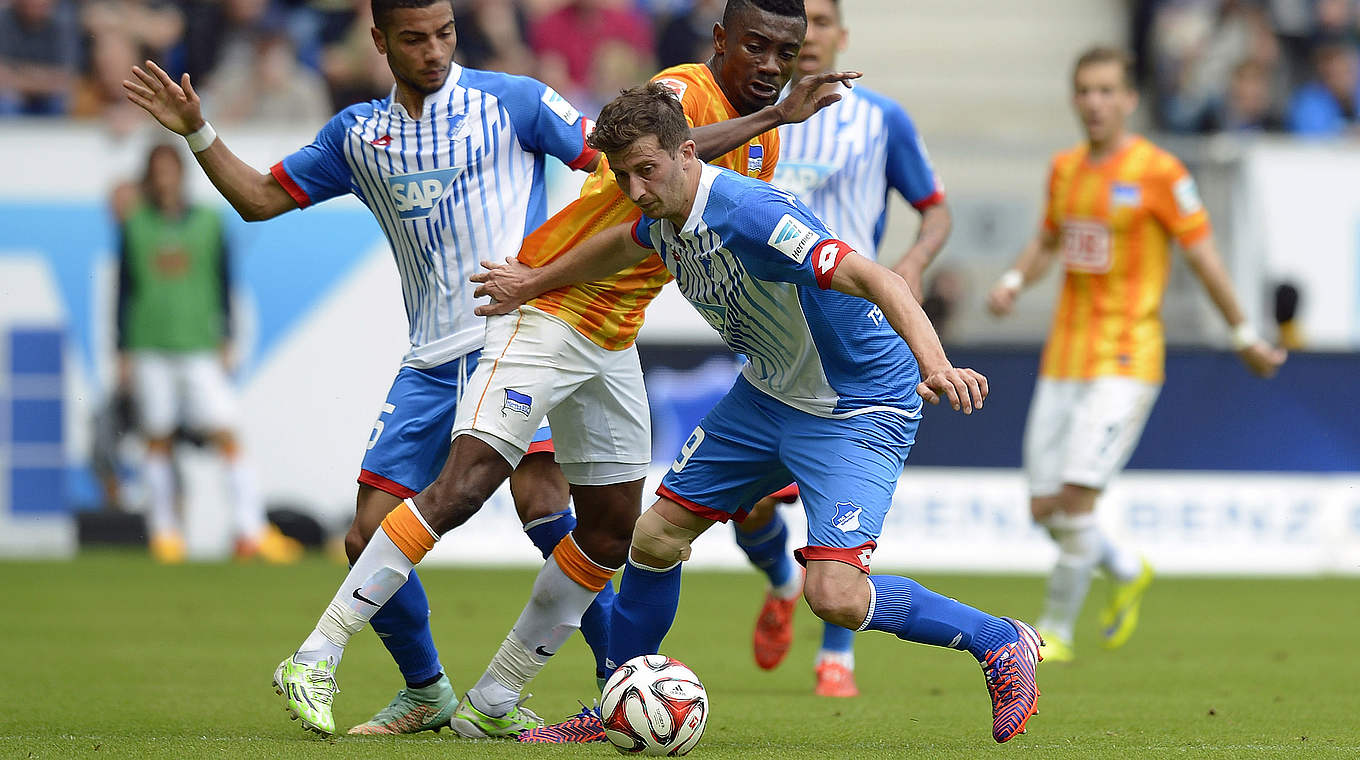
(39, 57)
(272, 87)
(491, 35)
(1249, 105)
(688, 37)
(99, 93)
(353, 69)
(173, 335)
(1197, 45)
(567, 40)
(1327, 106)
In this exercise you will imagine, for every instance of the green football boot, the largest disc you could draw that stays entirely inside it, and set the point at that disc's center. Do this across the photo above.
(471, 723)
(1120, 617)
(414, 710)
(307, 693)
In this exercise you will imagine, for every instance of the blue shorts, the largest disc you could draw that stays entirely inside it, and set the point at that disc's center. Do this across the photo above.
(750, 445)
(410, 440)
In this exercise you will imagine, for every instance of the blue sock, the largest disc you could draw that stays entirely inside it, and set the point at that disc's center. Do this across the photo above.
(643, 612)
(546, 533)
(767, 548)
(912, 612)
(403, 624)
(837, 639)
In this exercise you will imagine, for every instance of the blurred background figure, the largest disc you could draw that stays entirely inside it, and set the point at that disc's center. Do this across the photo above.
(1247, 106)
(569, 39)
(39, 57)
(174, 319)
(1329, 105)
(686, 34)
(271, 87)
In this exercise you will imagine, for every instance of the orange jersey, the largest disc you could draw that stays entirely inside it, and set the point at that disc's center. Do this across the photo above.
(610, 311)
(1115, 221)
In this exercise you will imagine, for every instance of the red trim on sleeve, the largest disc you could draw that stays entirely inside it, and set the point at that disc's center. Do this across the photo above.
(543, 445)
(933, 199)
(633, 231)
(824, 270)
(856, 556)
(699, 509)
(398, 490)
(587, 152)
(294, 191)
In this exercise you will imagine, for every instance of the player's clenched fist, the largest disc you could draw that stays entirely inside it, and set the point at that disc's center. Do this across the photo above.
(965, 388)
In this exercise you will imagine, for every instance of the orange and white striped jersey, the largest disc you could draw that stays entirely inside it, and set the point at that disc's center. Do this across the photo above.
(610, 311)
(1115, 221)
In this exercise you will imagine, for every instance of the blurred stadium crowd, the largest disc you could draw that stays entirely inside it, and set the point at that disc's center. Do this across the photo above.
(1251, 65)
(1207, 65)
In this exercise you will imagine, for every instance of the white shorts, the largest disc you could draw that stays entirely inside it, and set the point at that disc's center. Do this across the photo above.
(1083, 431)
(535, 364)
(171, 388)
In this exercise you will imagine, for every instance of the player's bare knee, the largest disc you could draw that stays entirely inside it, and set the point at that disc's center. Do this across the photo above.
(538, 487)
(1042, 507)
(837, 593)
(659, 543)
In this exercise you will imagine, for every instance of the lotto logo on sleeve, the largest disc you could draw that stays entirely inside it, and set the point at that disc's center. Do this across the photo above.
(415, 195)
(517, 402)
(792, 238)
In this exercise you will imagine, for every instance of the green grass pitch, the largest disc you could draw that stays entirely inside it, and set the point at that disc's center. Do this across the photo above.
(112, 656)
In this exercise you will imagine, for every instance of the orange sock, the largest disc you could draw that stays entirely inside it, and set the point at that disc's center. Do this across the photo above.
(408, 532)
(578, 567)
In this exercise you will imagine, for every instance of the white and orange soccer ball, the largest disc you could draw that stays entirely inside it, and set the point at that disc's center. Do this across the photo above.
(654, 705)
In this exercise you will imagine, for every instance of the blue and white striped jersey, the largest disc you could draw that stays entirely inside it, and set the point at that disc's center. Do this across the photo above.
(460, 182)
(755, 263)
(843, 161)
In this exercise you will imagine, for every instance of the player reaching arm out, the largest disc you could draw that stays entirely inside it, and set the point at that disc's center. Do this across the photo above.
(807, 96)
(511, 284)
(858, 276)
(255, 195)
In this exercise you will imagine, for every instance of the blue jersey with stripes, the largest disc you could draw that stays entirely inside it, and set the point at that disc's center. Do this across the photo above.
(756, 264)
(844, 160)
(459, 182)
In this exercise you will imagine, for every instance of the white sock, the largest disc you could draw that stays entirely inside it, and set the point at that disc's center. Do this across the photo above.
(1079, 543)
(245, 498)
(791, 588)
(160, 491)
(844, 659)
(380, 570)
(1122, 564)
(548, 620)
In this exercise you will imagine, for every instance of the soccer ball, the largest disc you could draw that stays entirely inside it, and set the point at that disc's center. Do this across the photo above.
(654, 705)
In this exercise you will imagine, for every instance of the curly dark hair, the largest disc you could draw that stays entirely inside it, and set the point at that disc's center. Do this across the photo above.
(651, 109)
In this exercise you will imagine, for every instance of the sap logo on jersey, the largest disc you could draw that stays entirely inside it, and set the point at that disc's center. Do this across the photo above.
(847, 516)
(792, 238)
(415, 195)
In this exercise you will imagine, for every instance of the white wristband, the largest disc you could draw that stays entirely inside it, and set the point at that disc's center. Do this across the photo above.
(1244, 336)
(200, 139)
(1013, 279)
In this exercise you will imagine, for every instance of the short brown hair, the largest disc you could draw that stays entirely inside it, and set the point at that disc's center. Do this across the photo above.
(652, 109)
(1107, 54)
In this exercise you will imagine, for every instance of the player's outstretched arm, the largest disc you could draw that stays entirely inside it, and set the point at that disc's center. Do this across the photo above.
(1033, 262)
(858, 276)
(936, 223)
(253, 194)
(713, 140)
(511, 284)
(1260, 357)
